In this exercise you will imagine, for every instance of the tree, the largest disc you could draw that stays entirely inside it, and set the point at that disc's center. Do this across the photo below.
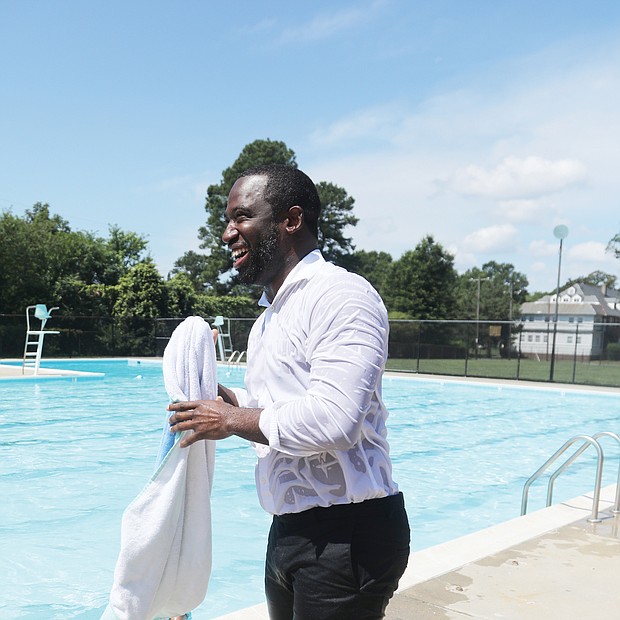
(614, 245)
(140, 297)
(141, 292)
(502, 291)
(374, 266)
(217, 269)
(195, 266)
(43, 261)
(596, 278)
(421, 282)
(125, 250)
(181, 296)
(336, 214)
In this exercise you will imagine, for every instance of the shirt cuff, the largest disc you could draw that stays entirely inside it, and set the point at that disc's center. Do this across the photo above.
(268, 425)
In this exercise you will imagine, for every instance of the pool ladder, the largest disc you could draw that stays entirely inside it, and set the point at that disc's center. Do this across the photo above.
(235, 358)
(585, 442)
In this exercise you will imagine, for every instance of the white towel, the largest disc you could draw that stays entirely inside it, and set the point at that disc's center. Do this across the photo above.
(164, 562)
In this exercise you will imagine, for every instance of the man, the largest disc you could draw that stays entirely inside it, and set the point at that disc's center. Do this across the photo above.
(339, 540)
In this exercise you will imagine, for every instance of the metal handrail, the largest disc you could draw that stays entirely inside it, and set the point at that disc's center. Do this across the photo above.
(236, 357)
(596, 436)
(616, 508)
(588, 441)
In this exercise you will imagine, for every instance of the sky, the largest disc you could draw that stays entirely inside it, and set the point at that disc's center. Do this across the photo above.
(482, 123)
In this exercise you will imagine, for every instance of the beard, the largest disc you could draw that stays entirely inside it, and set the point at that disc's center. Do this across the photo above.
(262, 264)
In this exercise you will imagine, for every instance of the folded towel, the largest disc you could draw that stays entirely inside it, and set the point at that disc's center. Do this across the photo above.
(164, 562)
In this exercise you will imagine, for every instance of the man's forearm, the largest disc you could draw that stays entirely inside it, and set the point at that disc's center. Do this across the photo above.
(243, 422)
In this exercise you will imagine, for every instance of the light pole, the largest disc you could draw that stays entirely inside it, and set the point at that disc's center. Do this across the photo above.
(510, 318)
(559, 232)
(478, 280)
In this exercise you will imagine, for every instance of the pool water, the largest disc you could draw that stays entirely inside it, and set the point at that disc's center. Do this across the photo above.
(76, 452)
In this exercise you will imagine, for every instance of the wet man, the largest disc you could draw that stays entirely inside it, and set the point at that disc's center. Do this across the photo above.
(339, 540)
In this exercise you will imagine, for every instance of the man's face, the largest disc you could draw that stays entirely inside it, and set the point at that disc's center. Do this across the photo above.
(251, 233)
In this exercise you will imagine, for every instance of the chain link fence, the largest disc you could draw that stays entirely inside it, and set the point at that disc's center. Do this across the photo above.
(581, 353)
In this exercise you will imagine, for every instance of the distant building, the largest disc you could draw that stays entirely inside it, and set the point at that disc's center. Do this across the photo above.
(585, 317)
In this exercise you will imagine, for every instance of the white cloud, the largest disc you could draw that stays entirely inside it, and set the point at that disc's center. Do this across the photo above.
(376, 123)
(589, 251)
(540, 248)
(538, 267)
(329, 24)
(516, 178)
(551, 164)
(501, 238)
(522, 211)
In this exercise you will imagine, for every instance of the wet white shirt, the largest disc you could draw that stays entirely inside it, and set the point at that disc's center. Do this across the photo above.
(315, 362)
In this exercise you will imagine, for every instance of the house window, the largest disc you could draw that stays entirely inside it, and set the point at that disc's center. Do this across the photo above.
(579, 319)
(569, 339)
(571, 319)
(537, 338)
(578, 339)
(545, 338)
(529, 337)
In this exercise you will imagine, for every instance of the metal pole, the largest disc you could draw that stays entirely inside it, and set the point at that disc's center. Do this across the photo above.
(510, 319)
(478, 280)
(575, 354)
(477, 317)
(555, 320)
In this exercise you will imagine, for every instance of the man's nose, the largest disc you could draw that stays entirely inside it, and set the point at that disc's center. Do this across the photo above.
(230, 232)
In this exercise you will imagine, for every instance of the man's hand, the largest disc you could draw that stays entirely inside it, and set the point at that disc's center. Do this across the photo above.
(214, 419)
(206, 418)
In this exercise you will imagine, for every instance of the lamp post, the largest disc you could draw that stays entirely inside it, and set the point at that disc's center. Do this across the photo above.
(510, 318)
(559, 232)
(478, 280)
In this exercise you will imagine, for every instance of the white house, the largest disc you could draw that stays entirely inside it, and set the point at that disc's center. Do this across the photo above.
(585, 313)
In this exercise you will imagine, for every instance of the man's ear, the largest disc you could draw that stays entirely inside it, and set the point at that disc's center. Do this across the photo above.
(295, 219)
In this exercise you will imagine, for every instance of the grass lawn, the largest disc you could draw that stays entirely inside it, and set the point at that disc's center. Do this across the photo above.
(586, 373)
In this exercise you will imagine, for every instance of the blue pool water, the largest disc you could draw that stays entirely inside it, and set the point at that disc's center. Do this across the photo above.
(74, 453)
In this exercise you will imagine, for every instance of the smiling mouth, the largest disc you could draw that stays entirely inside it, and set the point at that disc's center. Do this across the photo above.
(238, 255)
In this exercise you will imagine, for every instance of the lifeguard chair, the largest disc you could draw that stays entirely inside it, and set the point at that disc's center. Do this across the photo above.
(224, 341)
(35, 337)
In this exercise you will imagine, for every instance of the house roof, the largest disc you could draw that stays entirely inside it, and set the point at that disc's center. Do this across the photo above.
(585, 300)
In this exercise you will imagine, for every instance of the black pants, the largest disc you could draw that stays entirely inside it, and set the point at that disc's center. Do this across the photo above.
(337, 563)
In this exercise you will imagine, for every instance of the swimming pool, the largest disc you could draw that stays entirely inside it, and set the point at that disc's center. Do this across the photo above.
(75, 452)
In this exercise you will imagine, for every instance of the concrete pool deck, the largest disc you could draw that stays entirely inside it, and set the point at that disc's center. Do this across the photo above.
(8, 371)
(548, 564)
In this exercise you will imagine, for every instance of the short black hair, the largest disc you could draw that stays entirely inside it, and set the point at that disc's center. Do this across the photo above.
(286, 187)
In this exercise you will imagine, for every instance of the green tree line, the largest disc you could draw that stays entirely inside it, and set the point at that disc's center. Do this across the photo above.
(43, 260)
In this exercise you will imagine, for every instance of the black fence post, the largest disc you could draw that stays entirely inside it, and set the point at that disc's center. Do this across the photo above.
(575, 353)
(417, 367)
(466, 347)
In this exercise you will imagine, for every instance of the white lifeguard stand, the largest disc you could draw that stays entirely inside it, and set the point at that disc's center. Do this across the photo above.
(224, 341)
(35, 337)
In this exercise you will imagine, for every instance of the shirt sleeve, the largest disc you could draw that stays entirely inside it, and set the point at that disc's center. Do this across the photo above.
(346, 350)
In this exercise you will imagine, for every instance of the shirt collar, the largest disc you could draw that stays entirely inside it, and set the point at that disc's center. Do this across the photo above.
(304, 270)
